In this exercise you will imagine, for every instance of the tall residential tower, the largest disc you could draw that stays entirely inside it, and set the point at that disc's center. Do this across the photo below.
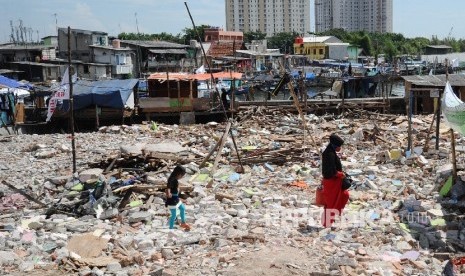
(268, 16)
(354, 15)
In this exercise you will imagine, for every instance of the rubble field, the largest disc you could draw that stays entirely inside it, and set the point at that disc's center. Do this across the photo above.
(249, 193)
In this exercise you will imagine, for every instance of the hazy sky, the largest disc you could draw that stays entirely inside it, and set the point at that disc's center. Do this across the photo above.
(411, 17)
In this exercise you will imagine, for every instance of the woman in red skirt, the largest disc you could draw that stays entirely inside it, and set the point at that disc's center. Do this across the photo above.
(334, 197)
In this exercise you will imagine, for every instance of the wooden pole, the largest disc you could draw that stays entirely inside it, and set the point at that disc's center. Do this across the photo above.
(71, 102)
(438, 120)
(426, 146)
(343, 91)
(454, 159)
(409, 116)
(452, 137)
(216, 88)
(220, 147)
(180, 103)
(190, 94)
(97, 119)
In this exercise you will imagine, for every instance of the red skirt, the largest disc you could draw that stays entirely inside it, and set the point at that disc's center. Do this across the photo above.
(335, 199)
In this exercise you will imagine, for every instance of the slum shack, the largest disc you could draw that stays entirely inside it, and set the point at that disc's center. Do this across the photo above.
(105, 100)
(366, 86)
(173, 93)
(423, 92)
(13, 95)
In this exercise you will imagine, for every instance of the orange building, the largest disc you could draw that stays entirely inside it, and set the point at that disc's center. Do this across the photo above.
(217, 34)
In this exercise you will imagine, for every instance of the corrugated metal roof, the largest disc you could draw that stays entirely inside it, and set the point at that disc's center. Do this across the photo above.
(168, 51)
(154, 44)
(31, 47)
(338, 44)
(186, 76)
(111, 48)
(439, 46)
(436, 80)
(320, 39)
(254, 53)
(35, 63)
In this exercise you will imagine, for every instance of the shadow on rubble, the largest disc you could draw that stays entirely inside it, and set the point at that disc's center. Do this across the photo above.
(439, 225)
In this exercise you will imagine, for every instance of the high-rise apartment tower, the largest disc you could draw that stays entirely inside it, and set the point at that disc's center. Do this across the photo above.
(354, 15)
(268, 16)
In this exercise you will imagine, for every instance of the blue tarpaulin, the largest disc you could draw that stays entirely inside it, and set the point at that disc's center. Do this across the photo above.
(143, 85)
(105, 93)
(310, 76)
(295, 74)
(11, 83)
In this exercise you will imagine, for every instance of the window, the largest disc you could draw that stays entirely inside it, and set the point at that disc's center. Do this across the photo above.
(86, 69)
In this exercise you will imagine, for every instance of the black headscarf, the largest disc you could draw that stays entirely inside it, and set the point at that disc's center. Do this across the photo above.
(336, 140)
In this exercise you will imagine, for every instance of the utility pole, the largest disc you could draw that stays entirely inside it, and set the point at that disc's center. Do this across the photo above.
(21, 29)
(12, 35)
(56, 23)
(137, 24)
(139, 54)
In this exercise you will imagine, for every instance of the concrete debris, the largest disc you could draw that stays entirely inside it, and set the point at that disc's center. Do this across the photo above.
(256, 217)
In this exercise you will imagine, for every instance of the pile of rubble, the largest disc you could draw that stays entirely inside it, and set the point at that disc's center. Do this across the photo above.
(249, 200)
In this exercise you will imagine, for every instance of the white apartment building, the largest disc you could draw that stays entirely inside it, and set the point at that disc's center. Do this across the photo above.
(268, 16)
(354, 15)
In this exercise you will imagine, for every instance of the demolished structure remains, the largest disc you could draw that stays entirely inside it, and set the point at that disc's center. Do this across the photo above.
(258, 218)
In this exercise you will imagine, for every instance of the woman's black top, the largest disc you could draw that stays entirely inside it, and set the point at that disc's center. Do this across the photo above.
(331, 163)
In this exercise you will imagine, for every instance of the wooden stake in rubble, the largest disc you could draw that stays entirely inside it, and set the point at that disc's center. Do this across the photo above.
(452, 136)
(216, 93)
(409, 119)
(454, 160)
(71, 102)
(299, 109)
(426, 146)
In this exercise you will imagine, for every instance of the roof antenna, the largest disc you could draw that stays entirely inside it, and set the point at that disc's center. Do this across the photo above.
(12, 35)
(137, 24)
(56, 23)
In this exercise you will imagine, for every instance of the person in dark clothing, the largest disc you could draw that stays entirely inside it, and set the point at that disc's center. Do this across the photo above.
(172, 197)
(224, 98)
(335, 198)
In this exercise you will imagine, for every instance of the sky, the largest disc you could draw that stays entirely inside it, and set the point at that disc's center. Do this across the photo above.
(412, 18)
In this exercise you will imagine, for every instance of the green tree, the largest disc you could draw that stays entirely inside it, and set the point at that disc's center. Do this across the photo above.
(191, 34)
(168, 37)
(282, 41)
(257, 35)
(390, 50)
(366, 45)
